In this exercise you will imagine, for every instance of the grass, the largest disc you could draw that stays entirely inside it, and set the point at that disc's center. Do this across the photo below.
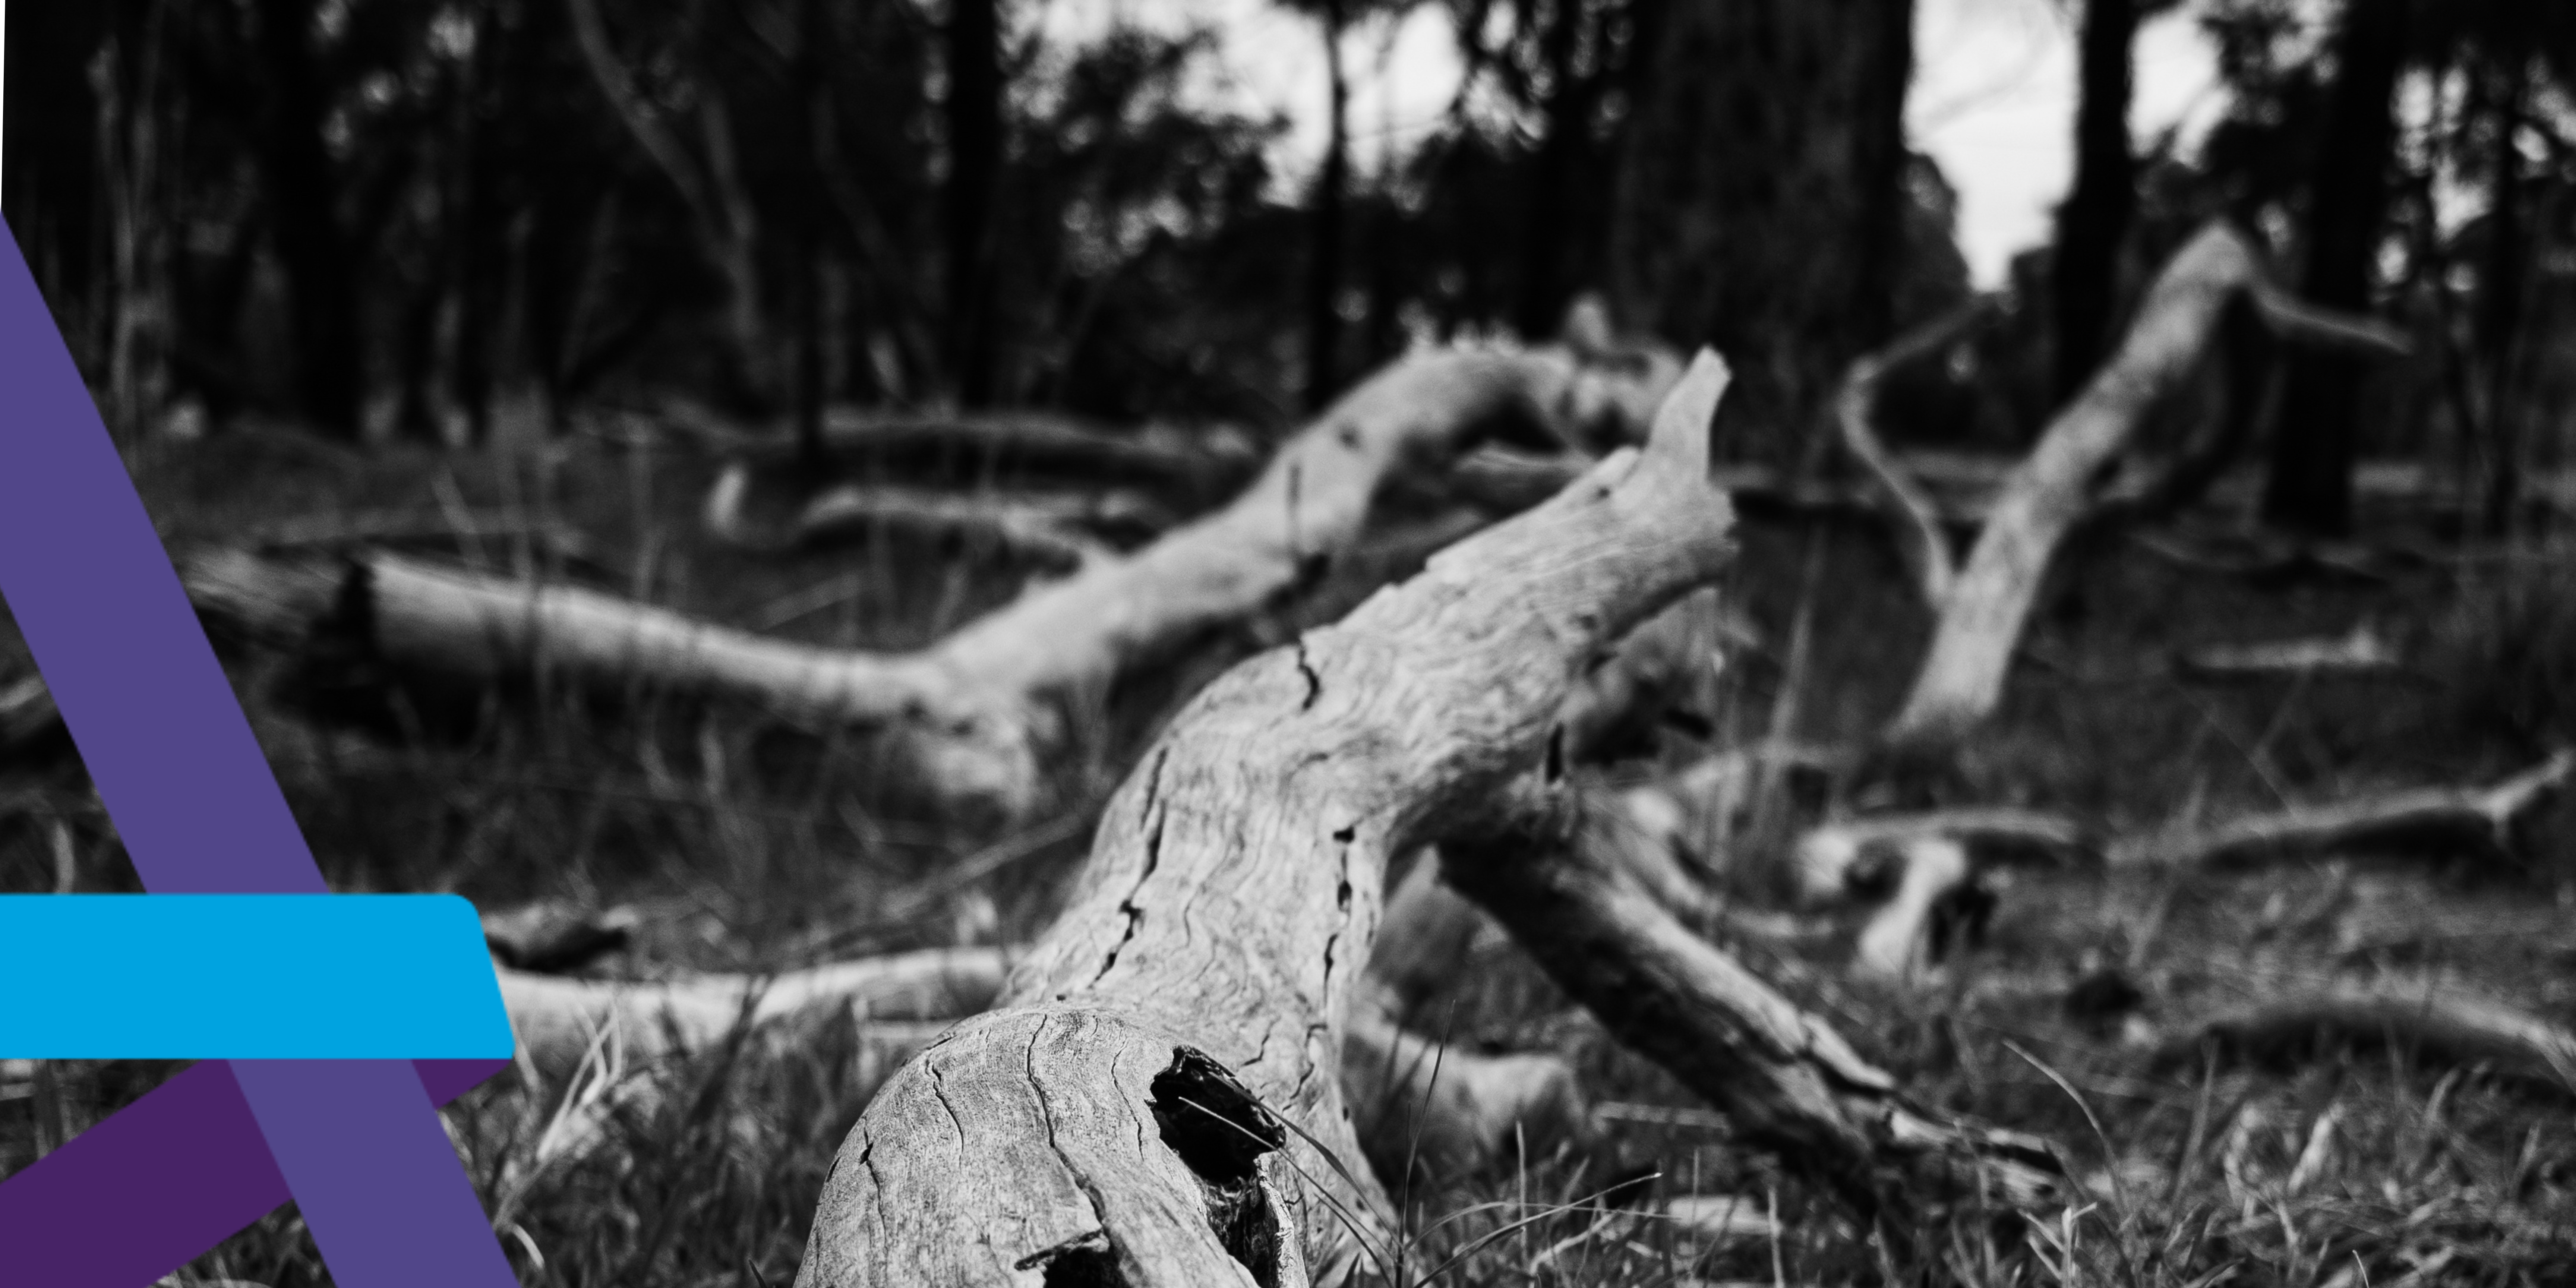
(2365, 1166)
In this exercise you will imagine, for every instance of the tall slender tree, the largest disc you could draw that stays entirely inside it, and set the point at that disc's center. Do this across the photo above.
(1325, 235)
(1760, 206)
(304, 186)
(2313, 449)
(974, 114)
(2095, 218)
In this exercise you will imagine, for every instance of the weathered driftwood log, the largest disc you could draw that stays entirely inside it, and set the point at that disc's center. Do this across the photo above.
(1783, 1077)
(2432, 820)
(971, 718)
(1156, 1103)
(2440, 1022)
(1982, 614)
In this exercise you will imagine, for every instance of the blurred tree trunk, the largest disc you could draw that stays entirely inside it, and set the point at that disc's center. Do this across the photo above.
(974, 168)
(138, 142)
(303, 191)
(1547, 240)
(1324, 251)
(2310, 488)
(50, 180)
(1761, 203)
(811, 108)
(2095, 219)
(2500, 291)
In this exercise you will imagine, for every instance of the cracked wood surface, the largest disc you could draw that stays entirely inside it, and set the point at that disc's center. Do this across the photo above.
(1126, 1117)
(972, 719)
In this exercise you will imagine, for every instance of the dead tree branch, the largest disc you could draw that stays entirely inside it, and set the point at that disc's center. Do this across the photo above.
(2433, 820)
(1915, 516)
(1981, 617)
(1128, 1111)
(971, 719)
(1783, 1077)
(2441, 1022)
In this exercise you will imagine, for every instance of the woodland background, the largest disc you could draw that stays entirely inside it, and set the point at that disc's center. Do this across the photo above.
(518, 280)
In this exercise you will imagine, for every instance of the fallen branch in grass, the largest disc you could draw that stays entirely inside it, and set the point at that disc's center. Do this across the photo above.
(970, 720)
(1918, 521)
(1062, 528)
(414, 528)
(1156, 1099)
(1911, 868)
(1416, 1102)
(2435, 820)
(2362, 653)
(1783, 1077)
(558, 1020)
(2444, 1023)
(2056, 487)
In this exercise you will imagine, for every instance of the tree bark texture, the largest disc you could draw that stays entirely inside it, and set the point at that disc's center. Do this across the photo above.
(1126, 1117)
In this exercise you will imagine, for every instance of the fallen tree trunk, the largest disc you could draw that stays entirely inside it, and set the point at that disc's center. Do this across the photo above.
(1783, 1077)
(1127, 1116)
(2478, 821)
(969, 720)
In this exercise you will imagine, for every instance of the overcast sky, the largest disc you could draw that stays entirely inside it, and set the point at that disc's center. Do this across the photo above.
(1993, 98)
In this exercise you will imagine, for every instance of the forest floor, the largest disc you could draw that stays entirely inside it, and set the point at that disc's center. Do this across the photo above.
(2344, 1167)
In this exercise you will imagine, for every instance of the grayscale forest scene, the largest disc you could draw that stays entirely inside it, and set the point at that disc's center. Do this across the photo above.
(1153, 643)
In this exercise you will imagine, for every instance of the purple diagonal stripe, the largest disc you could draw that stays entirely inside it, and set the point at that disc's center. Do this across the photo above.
(189, 1152)
(199, 811)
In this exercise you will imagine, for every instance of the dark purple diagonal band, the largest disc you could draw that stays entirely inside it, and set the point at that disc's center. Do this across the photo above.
(187, 1160)
(192, 796)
